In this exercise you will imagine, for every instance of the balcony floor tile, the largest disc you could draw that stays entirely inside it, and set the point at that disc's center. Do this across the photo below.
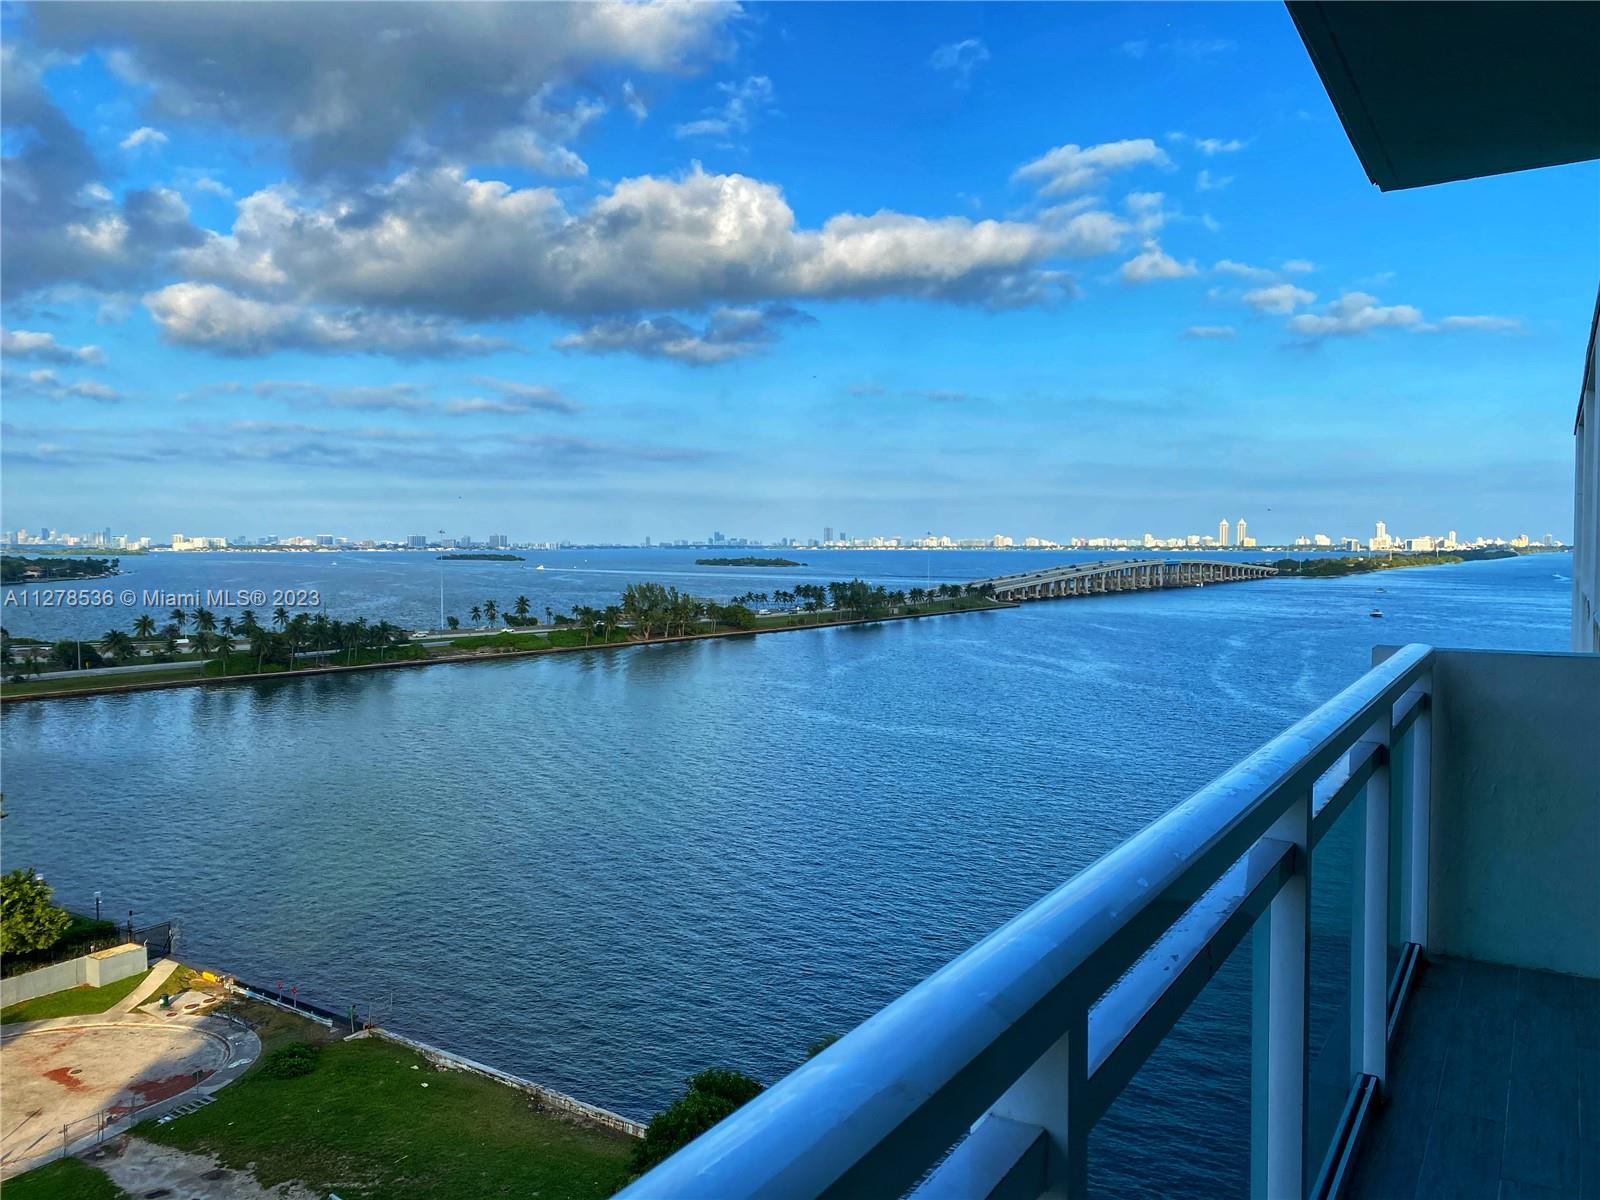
(1494, 1090)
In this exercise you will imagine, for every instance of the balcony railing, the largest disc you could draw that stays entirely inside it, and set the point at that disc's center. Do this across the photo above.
(1013, 1051)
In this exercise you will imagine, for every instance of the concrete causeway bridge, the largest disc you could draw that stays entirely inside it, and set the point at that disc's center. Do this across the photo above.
(1129, 575)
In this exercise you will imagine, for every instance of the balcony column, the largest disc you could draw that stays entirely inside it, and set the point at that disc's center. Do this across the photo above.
(1281, 997)
(1419, 806)
(1369, 923)
(1053, 1095)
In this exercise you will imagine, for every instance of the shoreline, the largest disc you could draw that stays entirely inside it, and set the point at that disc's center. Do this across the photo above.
(478, 656)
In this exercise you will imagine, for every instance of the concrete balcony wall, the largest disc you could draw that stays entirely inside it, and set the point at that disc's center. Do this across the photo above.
(1515, 844)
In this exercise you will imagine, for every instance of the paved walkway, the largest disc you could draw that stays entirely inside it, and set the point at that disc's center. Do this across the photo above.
(74, 1081)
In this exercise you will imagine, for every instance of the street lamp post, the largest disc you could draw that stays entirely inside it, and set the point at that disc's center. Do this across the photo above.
(97, 906)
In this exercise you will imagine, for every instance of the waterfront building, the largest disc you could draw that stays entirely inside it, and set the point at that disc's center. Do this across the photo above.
(1468, 1002)
(1239, 533)
(1222, 532)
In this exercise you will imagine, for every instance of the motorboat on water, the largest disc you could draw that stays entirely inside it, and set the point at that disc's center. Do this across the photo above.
(1377, 612)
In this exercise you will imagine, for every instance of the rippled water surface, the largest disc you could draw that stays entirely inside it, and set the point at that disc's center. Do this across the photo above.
(609, 870)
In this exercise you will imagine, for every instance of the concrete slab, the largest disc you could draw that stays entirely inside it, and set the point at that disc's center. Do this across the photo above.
(70, 1084)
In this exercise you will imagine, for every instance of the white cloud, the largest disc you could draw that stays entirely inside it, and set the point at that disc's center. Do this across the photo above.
(208, 317)
(439, 242)
(1475, 324)
(1227, 266)
(1299, 266)
(143, 136)
(347, 88)
(1280, 298)
(730, 333)
(514, 395)
(1210, 331)
(1073, 168)
(960, 59)
(1355, 313)
(45, 384)
(23, 343)
(633, 101)
(388, 397)
(1205, 181)
(1154, 263)
(744, 101)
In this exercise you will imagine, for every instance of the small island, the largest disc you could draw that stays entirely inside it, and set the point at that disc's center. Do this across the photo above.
(485, 557)
(747, 561)
(1323, 568)
(17, 569)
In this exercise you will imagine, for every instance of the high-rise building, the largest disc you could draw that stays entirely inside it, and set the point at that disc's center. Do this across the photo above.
(1380, 538)
(827, 534)
(417, 541)
(1239, 532)
(498, 541)
(1222, 532)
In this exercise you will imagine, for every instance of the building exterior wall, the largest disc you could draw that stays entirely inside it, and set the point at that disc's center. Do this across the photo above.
(94, 970)
(1586, 514)
(1515, 845)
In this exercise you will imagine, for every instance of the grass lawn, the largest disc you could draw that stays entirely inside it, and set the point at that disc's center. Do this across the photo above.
(64, 1179)
(85, 682)
(362, 1124)
(74, 1002)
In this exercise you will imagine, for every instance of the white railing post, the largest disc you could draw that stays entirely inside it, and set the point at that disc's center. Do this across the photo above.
(1419, 815)
(1053, 1095)
(1369, 919)
(1281, 1012)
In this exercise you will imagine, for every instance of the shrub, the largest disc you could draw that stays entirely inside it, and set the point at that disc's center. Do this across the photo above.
(290, 1062)
(28, 920)
(712, 1095)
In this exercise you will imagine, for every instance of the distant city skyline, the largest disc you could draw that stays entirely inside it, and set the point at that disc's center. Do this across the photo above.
(1235, 536)
(620, 272)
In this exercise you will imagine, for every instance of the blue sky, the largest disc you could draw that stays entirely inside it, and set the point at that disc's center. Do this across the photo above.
(607, 272)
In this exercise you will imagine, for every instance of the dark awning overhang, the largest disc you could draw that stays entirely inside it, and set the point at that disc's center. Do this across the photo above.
(1434, 92)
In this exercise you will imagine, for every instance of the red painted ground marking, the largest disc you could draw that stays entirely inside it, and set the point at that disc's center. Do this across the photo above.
(65, 1077)
(151, 1090)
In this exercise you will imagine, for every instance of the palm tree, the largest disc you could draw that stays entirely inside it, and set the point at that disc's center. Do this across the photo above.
(144, 626)
(522, 607)
(178, 617)
(202, 642)
(228, 626)
(260, 643)
(169, 642)
(490, 608)
(612, 617)
(205, 620)
(248, 623)
(115, 643)
(476, 614)
(280, 617)
(298, 632)
(453, 622)
(224, 644)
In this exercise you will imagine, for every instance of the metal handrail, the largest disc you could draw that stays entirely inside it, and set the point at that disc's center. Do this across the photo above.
(1003, 1031)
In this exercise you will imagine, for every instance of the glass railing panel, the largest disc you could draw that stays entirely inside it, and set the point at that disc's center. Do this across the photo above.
(1181, 1127)
(1332, 914)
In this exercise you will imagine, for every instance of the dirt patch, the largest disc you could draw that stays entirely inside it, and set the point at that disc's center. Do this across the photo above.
(67, 1077)
(141, 1168)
